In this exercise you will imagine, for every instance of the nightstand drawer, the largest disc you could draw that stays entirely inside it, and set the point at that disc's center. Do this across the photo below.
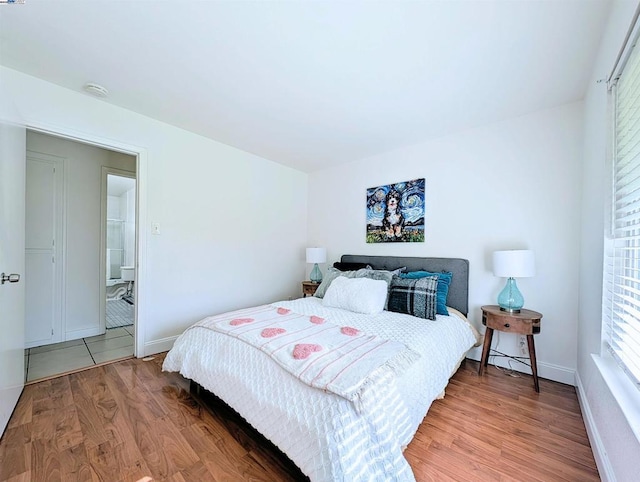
(511, 323)
(309, 288)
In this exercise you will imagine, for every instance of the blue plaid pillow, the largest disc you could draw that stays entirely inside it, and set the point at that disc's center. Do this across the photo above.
(444, 279)
(417, 297)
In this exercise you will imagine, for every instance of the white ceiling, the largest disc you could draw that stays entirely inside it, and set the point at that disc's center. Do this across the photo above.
(313, 84)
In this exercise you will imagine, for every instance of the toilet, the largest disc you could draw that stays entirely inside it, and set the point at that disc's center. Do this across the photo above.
(127, 273)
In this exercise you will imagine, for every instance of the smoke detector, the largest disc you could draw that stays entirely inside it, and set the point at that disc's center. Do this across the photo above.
(95, 89)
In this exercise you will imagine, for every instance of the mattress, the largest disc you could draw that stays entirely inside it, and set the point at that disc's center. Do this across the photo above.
(322, 433)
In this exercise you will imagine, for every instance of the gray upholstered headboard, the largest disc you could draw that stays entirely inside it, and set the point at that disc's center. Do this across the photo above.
(458, 297)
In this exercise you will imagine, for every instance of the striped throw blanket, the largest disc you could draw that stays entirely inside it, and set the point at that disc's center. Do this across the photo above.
(338, 359)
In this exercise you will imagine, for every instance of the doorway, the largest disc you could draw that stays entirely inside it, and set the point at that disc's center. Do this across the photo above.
(83, 339)
(119, 254)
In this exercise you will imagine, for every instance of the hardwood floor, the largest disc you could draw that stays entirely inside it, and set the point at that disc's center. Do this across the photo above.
(129, 420)
(497, 428)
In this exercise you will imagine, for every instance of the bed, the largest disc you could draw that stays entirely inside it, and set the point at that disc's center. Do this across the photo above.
(330, 437)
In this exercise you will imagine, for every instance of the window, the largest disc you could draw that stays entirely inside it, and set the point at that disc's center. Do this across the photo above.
(621, 306)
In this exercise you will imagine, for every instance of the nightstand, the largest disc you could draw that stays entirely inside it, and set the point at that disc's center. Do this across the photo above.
(309, 288)
(527, 322)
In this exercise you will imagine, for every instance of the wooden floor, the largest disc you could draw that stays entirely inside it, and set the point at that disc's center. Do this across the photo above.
(129, 420)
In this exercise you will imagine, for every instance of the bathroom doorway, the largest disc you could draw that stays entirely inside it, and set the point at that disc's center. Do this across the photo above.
(119, 253)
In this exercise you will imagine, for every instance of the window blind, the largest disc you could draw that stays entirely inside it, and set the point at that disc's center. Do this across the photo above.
(621, 306)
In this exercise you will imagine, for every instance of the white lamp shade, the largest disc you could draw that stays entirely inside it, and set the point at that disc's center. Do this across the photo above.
(514, 263)
(316, 255)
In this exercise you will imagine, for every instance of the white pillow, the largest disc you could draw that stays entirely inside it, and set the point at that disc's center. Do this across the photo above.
(362, 295)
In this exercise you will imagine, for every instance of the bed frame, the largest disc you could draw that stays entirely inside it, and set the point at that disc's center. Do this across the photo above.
(242, 430)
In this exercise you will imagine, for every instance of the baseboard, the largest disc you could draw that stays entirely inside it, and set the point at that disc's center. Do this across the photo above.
(557, 373)
(158, 346)
(599, 452)
(545, 370)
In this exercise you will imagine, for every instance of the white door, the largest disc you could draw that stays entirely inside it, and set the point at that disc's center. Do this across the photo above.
(12, 202)
(42, 223)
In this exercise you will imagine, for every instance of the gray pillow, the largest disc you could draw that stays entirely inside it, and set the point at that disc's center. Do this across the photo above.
(380, 274)
(332, 273)
(376, 274)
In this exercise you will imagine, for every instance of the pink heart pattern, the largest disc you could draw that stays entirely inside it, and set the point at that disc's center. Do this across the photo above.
(271, 332)
(303, 350)
(316, 319)
(241, 321)
(348, 330)
(283, 311)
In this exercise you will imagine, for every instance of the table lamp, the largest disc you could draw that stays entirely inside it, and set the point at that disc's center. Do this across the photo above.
(315, 256)
(511, 264)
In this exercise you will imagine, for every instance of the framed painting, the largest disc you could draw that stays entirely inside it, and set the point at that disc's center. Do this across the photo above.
(395, 212)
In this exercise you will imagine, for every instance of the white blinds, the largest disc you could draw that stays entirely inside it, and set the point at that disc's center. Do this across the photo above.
(621, 308)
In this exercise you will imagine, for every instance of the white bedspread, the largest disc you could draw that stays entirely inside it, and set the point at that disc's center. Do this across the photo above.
(322, 354)
(322, 432)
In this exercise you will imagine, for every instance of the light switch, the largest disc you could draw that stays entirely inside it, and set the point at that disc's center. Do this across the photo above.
(155, 228)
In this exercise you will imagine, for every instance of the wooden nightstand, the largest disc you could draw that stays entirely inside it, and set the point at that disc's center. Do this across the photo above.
(309, 288)
(526, 322)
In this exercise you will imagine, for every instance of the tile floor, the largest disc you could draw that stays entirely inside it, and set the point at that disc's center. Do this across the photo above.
(49, 360)
(119, 313)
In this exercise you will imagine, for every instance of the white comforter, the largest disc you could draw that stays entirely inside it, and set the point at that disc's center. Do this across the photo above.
(322, 432)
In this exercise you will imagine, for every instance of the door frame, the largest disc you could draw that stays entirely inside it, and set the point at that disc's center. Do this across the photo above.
(141, 156)
(106, 171)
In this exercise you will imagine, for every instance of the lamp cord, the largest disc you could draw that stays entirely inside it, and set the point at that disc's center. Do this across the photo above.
(505, 371)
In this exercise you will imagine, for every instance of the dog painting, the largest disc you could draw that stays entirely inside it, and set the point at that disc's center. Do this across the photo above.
(395, 212)
(393, 220)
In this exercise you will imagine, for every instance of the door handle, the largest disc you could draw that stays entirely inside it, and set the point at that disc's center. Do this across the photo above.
(11, 278)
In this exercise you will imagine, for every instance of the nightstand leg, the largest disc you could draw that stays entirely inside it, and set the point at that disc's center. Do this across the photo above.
(488, 336)
(532, 359)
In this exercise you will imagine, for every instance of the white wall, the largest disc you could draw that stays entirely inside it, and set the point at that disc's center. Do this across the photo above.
(512, 184)
(233, 225)
(617, 449)
(128, 211)
(83, 178)
(113, 207)
(123, 207)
